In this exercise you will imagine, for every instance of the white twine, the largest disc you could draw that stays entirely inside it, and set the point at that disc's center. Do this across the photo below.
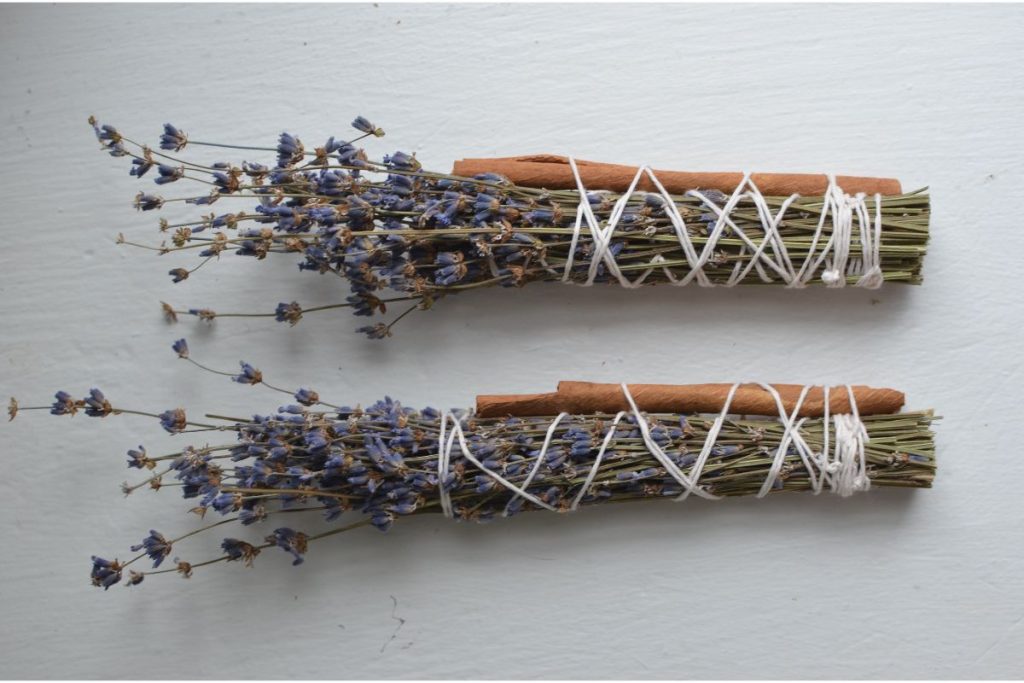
(843, 467)
(768, 254)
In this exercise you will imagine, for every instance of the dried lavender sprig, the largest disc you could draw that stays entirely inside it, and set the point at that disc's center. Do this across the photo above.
(381, 462)
(390, 224)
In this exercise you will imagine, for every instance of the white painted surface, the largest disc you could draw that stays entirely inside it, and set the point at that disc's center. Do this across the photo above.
(924, 584)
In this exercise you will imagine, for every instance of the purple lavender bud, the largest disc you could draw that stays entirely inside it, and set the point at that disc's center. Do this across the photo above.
(226, 502)
(492, 178)
(288, 313)
(405, 508)
(239, 550)
(109, 138)
(381, 519)
(173, 139)
(654, 201)
(552, 495)
(289, 150)
(168, 174)
(181, 348)
(402, 161)
(540, 217)
(96, 404)
(515, 506)
(173, 420)
(378, 331)
(252, 515)
(289, 540)
(140, 167)
(449, 258)
(363, 125)
(156, 547)
(363, 304)
(449, 275)
(248, 375)
(316, 440)
(64, 404)
(138, 458)
(147, 202)
(105, 573)
(207, 199)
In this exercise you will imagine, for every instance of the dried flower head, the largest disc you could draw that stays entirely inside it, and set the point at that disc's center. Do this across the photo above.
(249, 374)
(180, 347)
(156, 546)
(173, 139)
(170, 315)
(174, 420)
(289, 313)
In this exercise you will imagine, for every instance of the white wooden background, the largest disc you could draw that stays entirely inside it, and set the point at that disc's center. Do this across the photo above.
(928, 583)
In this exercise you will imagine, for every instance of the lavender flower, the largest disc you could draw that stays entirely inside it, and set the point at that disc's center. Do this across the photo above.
(378, 331)
(105, 573)
(307, 397)
(289, 150)
(139, 460)
(168, 174)
(173, 139)
(64, 404)
(290, 541)
(155, 546)
(289, 313)
(181, 348)
(96, 404)
(140, 166)
(147, 202)
(248, 375)
(363, 125)
(109, 138)
(173, 420)
(240, 550)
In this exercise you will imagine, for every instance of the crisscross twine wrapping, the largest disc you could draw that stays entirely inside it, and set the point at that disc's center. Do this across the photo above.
(842, 467)
(768, 253)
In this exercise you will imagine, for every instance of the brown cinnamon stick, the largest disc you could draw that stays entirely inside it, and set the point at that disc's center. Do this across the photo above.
(580, 398)
(552, 172)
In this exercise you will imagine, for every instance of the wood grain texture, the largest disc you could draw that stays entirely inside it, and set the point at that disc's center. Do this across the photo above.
(553, 172)
(582, 398)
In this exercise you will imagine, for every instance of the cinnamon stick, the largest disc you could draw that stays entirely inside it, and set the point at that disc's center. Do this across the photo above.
(581, 398)
(552, 172)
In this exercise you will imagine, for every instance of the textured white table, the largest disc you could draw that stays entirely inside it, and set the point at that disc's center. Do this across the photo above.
(928, 583)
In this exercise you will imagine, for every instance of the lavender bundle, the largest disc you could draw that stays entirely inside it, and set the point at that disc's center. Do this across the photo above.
(385, 462)
(389, 225)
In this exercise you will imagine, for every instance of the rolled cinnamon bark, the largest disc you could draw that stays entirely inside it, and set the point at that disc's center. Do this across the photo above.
(580, 398)
(552, 172)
